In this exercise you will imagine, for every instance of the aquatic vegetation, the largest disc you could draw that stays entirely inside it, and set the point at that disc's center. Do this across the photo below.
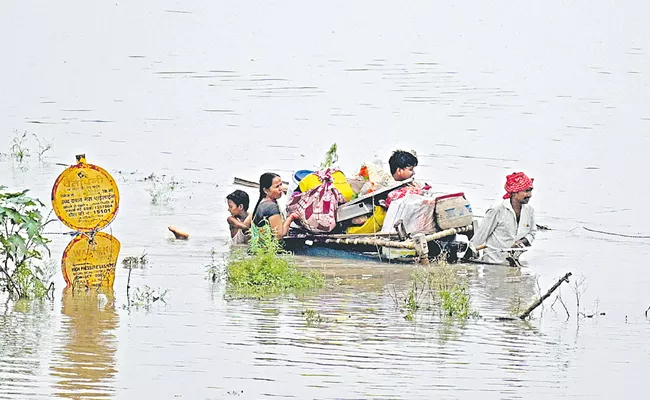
(18, 149)
(162, 188)
(215, 272)
(579, 288)
(22, 246)
(131, 262)
(43, 146)
(437, 287)
(312, 317)
(456, 303)
(267, 270)
(414, 298)
(145, 297)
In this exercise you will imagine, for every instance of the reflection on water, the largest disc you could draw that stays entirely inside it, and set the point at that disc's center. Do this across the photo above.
(24, 335)
(84, 365)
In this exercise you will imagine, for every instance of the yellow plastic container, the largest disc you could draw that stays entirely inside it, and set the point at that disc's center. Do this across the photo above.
(340, 182)
(372, 225)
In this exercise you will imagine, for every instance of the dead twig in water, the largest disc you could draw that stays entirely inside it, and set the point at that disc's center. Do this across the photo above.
(128, 286)
(568, 315)
(559, 297)
(539, 301)
(539, 292)
(646, 312)
(579, 288)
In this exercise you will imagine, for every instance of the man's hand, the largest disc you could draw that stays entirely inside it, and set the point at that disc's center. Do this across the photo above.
(471, 251)
(522, 243)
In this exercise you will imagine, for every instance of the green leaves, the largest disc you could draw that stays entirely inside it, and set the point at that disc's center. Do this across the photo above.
(331, 157)
(268, 270)
(22, 243)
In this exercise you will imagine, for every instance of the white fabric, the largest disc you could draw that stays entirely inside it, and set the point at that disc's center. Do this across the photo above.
(416, 211)
(499, 229)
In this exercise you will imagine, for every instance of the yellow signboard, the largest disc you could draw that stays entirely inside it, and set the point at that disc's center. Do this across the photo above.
(85, 197)
(87, 263)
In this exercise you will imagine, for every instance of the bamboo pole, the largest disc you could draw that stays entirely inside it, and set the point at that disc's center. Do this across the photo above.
(344, 235)
(376, 241)
(539, 301)
(448, 232)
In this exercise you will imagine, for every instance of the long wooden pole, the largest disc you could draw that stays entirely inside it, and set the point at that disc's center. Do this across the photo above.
(376, 241)
(539, 301)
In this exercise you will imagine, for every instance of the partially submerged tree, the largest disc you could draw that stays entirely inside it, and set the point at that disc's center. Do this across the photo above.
(22, 246)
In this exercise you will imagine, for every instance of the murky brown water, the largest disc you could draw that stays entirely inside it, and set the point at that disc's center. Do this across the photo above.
(208, 91)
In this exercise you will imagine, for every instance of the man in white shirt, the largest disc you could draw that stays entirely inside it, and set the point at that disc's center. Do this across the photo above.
(509, 223)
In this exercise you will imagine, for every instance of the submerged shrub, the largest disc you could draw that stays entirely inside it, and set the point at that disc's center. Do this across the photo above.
(22, 271)
(19, 150)
(267, 269)
(437, 287)
(162, 188)
(456, 302)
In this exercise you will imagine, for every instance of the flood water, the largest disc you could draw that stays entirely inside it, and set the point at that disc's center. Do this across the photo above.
(207, 91)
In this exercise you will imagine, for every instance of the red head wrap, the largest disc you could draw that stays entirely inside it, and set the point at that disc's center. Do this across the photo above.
(517, 182)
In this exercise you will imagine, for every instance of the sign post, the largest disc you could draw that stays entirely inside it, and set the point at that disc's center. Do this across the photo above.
(85, 198)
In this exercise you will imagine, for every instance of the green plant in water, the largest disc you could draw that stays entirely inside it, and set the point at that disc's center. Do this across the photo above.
(413, 299)
(268, 269)
(22, 246)
(132, 262)
(331, 157)
(162, 188)
(19, 150)
(456, 303)
(437, 287)
(214, 271)
(312, 317)
(145, 297)
(454, 298)
(43, 147)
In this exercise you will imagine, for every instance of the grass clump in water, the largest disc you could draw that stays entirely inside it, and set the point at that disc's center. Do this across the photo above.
(452, 292)
(456, 303)
(437, 287)
(267, 269)
(162, 188)
(19, 150)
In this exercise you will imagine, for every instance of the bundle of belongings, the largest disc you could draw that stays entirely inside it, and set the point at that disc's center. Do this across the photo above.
(372, 201)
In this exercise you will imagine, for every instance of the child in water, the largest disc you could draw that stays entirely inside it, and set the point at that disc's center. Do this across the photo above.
(238, 207)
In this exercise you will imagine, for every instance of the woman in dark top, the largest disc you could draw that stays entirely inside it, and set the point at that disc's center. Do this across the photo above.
(266, 210)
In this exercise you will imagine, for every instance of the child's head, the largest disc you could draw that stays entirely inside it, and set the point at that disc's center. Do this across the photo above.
(237, 202)
(402, 164)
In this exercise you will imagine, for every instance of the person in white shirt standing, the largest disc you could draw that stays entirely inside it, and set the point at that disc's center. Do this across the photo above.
(509, 223)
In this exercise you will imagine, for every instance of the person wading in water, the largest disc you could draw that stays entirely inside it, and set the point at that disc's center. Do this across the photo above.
(508, 223)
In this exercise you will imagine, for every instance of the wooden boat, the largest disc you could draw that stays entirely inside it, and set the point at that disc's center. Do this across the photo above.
(390, 247)
(398, 246)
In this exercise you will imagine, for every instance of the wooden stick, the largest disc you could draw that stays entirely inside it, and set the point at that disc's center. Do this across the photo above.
(539, 301)
(342, 235)
(449, 232)
(375, 241)
(244, 182)
(251, 184)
